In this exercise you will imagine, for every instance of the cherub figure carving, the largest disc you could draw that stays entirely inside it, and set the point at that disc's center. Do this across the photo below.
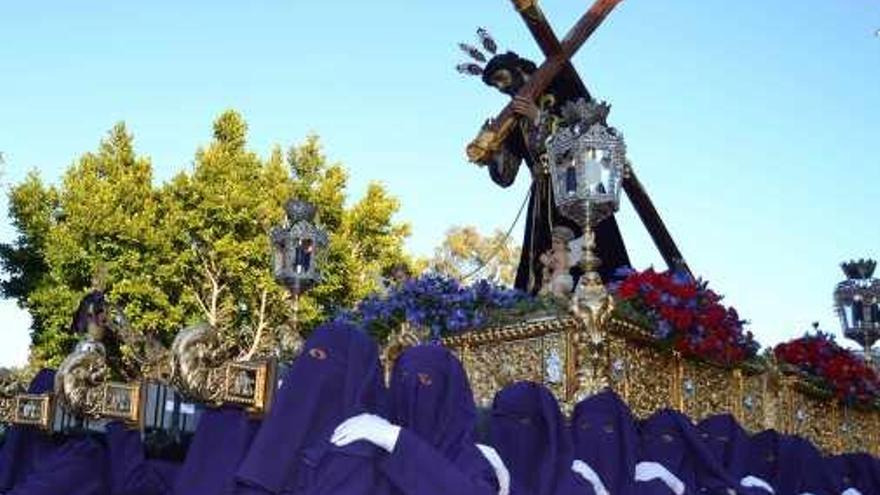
(557, 263)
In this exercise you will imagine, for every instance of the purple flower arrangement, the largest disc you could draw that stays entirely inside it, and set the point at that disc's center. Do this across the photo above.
(437, 303)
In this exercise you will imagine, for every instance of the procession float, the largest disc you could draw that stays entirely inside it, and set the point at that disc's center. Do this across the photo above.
(579, 319)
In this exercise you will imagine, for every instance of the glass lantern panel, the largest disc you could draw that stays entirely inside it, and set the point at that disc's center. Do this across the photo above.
(571, 180)
(592, 168)
(279, 260)
(858, 313)
(303, 257)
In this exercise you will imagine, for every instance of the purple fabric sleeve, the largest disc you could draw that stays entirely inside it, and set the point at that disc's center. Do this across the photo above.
(415, 468)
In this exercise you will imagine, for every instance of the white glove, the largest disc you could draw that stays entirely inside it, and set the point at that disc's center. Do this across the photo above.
(587, 473)
(374, 429)
(755, 482)
(501, 472)
(647, 471)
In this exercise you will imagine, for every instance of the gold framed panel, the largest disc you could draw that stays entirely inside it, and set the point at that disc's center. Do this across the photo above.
(7, 410)
(249, 384)
(539, 350)
(33, 410)
(122, 401)
(650, 377)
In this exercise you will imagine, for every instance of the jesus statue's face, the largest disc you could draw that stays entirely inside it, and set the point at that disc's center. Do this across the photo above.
(508, 81)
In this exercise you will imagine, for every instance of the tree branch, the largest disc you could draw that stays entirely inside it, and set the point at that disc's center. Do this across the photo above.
(261, 326)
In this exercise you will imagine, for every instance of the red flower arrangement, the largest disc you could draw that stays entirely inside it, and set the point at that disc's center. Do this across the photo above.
(686, 314)
(821, 359)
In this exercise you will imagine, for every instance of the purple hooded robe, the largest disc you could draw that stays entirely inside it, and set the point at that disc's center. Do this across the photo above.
(606, 438)
(435, 453)
(728, 442)
(337, 376)
(33, 463)
(670, 439)
(131, 473)
(220, 442)
(857, 471)
(802, 469)
(791, 465)
(531, 436)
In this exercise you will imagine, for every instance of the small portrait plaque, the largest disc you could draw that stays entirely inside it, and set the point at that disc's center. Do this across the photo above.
(122, 401)
(34, 410)
(245, 384)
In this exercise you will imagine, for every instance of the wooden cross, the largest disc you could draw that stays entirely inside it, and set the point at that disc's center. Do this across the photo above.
(558, 65)
(557, 58)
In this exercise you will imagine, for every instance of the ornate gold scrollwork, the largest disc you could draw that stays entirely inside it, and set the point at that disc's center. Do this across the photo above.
(197, 356)
(404, 337)
(488, 142)
(80, 379)
(10, 387)
(204, 370)
(597, 348)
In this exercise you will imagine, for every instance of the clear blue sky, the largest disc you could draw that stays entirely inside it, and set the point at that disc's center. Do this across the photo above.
(754, 125)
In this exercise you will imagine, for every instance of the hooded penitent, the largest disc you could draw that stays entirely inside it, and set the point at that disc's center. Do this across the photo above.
(435, 453)
(790, 465)
(762, 461)
(802, 469)
(530, 434)
(671, 445)
(337, 376)
(857, 473)
(729, 443)
(605, 437)
(32, 463)
(25, 447)
(131, 473)
(220, 442)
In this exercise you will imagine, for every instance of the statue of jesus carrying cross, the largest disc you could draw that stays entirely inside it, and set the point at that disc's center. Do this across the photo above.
(519, 132)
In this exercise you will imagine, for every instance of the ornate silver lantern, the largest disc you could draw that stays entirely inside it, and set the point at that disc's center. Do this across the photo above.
(587, 160)
(857, 300)
(297, 248)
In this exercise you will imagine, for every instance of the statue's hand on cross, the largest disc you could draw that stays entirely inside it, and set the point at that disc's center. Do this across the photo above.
(488, 140)
(526, 108)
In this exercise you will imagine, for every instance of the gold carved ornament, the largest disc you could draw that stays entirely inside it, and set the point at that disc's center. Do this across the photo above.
(10, 387)
(205, 370)
(487, 143)
(597, 348)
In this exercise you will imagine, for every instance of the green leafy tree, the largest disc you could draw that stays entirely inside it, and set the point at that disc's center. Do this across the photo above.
(218, 217)
(365, 242)
(101, 218)
(195, 248)
(467, 253)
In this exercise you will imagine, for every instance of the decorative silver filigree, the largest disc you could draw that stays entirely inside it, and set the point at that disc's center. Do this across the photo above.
(587, 164)
(297, 248)
(197, 354)
(80, 378)
(585, 112)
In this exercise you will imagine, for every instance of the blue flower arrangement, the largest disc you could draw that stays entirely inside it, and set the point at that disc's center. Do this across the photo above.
(439, 304)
